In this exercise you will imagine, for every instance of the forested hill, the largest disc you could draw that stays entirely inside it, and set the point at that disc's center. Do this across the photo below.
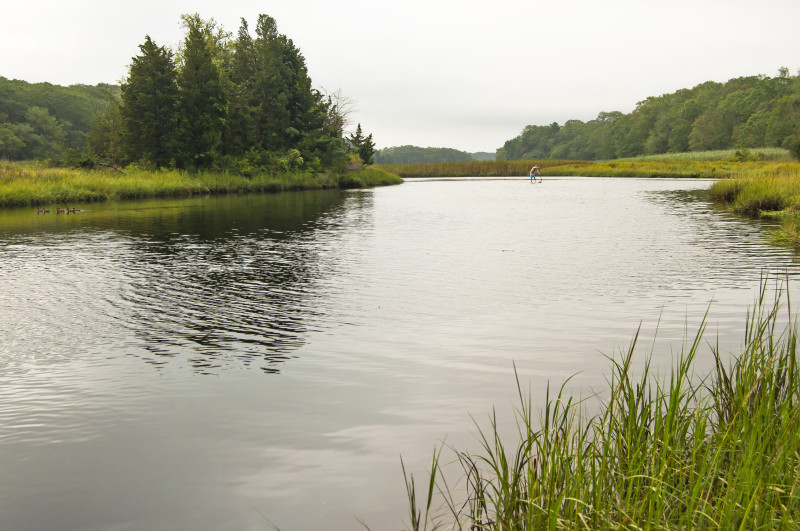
(39, 119)
(421, 155)
(746, 112)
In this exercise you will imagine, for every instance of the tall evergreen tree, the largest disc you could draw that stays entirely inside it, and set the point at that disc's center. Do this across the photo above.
(268, 92)
(363, 146)
(202, 99)
(239, 134)
(356, 139)
(149, 105)
(367, 150)
(284, 104)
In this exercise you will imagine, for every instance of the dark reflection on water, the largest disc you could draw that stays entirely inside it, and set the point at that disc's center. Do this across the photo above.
(214, 281)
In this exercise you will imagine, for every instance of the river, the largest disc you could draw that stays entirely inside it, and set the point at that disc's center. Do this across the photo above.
(231, 362)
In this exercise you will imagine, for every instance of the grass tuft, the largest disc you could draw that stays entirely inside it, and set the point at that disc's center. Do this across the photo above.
(771, 191)
(722, 452)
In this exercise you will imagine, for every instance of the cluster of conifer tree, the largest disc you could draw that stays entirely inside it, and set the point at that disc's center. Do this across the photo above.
(243, 103)
(746, 112)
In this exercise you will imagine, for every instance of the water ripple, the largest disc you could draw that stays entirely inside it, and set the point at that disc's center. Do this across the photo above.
(382, 317)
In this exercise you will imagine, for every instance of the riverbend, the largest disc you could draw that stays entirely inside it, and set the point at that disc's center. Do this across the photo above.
(217, 361)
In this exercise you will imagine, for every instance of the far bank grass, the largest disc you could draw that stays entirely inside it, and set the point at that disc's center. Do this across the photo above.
(676, 169)
(700, 165)
(774, 154)
(29, 184)
(720, 452)
(499, 168)
(688, 169)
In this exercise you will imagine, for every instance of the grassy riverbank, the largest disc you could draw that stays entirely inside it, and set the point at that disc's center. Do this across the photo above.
(716, 453)
(707, 165)
(693, 169)
(769, 192)
(500, 168)
(721, 164)
(29, 184)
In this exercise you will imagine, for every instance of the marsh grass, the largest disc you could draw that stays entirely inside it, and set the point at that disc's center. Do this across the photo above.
(770, 188)
(769, 191)
(499, 168)
(27, 184)
(368, 177)
(722, 452)
(770, 154)
(720, 164)
(678, 169)
(708, 165)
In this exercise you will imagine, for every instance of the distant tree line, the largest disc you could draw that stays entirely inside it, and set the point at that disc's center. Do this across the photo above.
(244, 103)
(746, 112)
(421, 155)
(40, 120)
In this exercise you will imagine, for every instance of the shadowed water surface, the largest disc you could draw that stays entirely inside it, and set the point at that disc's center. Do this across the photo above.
(213, 362)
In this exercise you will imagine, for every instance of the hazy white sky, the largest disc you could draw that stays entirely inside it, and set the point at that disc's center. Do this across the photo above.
(462, 74)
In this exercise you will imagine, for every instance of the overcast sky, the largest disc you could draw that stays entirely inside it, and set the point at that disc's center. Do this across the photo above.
(462, 74)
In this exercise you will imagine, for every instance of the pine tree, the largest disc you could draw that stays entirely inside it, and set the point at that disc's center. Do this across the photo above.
(149, 104)
(202, 99)
(284, 103)
(363, 146)
(239, 134)
(269, 89)
(367, 150)
(356, 139)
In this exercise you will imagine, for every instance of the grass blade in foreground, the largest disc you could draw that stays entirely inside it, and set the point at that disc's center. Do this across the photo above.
(718, 453)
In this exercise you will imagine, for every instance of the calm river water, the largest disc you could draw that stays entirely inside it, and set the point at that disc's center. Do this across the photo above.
(223, 363)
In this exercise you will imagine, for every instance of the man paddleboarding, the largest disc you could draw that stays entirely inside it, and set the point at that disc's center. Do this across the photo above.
(535, 170)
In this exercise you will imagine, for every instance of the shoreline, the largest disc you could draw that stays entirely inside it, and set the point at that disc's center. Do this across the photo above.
(765, 193)
(679, 169)
(25, 184)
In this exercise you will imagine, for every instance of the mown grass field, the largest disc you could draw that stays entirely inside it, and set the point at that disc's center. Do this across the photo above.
(30, 184)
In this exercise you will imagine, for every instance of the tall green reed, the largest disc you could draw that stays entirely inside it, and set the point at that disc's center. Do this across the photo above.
(721, 452)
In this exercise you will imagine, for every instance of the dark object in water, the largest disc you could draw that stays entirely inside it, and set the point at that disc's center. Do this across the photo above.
(42, 211)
